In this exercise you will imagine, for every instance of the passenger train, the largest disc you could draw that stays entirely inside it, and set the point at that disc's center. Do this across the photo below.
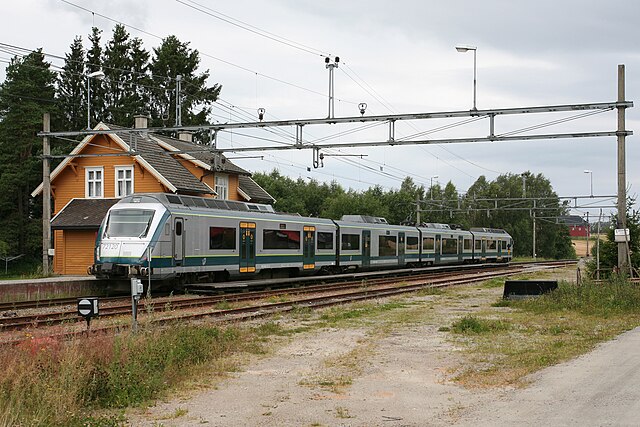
(187, 239)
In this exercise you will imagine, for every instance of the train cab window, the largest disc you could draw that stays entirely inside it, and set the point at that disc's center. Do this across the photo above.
(504, 244)
(281, 239)
(222, 238)
(387, 246)
(128, 223)
(350, 242)
(449, 246)
(492, 245)
(412, 243)
(478, 245)
(467, 244)
(325, 240)
(428, 244)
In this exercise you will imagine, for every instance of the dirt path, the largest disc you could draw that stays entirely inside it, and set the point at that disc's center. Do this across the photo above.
(378, 373)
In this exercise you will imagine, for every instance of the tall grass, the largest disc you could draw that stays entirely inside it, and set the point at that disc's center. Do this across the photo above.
(606, 299)
(44, 382)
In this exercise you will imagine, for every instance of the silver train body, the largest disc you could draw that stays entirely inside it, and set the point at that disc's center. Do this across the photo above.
(192, 238)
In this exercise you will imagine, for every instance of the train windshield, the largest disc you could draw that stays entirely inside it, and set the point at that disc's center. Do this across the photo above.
(129, 223)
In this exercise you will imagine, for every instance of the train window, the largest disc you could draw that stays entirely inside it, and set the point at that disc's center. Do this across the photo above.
(428, 244)
(387, 246)
(504, 244)
(350, 242)
(492, 245)
(281, 239)
(325, 240)
(222, 238)
(179, 228)
(412, 243)
(467, 244)
(128, 223)
(478, 245)
(449, 246)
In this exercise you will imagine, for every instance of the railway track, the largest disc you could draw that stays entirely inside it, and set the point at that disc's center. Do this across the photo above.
(356, 289)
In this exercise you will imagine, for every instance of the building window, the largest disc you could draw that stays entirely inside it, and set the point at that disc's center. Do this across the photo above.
(222, 186)
(124, 181)
(94, 183)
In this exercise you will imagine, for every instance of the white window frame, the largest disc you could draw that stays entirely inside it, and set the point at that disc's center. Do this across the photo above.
(123, 169)
(94, 182)
(222, 187)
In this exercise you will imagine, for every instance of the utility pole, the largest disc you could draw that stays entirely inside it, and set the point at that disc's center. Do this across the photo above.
(622, 179)
(330, 67)
(598, 247)
(534, 230)
(588, 234)
(178, 101)
(46, 195)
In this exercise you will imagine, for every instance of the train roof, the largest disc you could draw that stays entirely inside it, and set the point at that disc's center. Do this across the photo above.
(221, 207)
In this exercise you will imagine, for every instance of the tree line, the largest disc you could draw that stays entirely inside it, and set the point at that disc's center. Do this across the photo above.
(136, 81)
(439, 204)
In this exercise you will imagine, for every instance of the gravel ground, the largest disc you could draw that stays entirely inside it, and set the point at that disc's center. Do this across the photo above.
(396, 379)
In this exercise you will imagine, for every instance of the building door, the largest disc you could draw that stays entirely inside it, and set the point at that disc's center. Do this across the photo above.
(178, 241)
(309, 247)
(401, 247)
(366, 248)
(247, 247)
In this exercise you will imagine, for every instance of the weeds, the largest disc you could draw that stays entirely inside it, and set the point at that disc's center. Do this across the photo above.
(45, 382)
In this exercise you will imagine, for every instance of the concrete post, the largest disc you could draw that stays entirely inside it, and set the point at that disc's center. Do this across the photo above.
(622, 180)
(46, 195)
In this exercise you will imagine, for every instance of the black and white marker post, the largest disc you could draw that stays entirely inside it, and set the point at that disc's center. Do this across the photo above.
(88, 307)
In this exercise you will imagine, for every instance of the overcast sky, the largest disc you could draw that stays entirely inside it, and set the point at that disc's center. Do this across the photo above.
(398, 57)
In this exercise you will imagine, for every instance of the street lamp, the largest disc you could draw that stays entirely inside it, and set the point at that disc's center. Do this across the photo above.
(99, 75)
(591, 176)
(431, 185)
(464, 49)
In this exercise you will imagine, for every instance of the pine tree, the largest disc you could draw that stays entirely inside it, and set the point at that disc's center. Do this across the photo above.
(170, 59)
(27, 92)
(94, 63)
(117, 66)
(72, 91)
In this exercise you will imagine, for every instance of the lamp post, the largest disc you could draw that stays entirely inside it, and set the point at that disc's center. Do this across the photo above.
(99, 75)
(591, 176)
(464, 49)
(431, 185)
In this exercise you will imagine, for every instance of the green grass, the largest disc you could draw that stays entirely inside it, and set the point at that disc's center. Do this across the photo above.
(506, 345)
(44, 382)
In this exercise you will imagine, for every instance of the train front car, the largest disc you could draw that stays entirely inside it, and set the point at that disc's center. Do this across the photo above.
(127, 237)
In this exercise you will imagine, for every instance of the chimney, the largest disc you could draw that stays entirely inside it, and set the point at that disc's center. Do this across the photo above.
(185, 135)
(141, 121)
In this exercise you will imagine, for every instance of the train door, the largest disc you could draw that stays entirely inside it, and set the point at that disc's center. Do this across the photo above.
(438, 249)
(499, 248)
(309, 247)
(366, 248)
(178, 241)
(483, 251)
(460, 249)
(401, 247)
(247, 247)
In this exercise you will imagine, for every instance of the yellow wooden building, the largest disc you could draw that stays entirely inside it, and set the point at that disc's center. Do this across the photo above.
(106, 167)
